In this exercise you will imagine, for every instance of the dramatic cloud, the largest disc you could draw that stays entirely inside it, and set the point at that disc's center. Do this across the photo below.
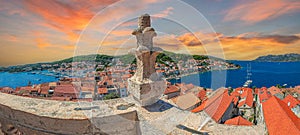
(251, 47)
(34, 30)
(198, 38)
(246, 46)
(260, 10)
(64, 17)
(189, 39)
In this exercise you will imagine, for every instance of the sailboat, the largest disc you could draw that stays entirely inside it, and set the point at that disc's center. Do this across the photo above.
(248, 77)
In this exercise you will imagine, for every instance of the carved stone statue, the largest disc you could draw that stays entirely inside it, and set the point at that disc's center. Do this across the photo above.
(146, 85)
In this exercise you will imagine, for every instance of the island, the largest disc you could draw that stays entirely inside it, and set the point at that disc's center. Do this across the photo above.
(279, 58)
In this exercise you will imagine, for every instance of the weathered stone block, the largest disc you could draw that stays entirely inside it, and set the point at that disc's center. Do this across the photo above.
(146, 93)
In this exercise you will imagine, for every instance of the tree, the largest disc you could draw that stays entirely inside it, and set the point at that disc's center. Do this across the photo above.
(278, 86)
(111, 96)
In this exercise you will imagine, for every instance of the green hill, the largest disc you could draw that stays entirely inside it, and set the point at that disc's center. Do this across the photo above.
(164, 58)
(279, 58)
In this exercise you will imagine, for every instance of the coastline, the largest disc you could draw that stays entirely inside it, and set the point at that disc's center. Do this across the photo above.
(199, 72)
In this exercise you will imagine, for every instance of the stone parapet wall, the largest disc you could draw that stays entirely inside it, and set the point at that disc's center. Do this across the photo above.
(44, 117)
(14, 121)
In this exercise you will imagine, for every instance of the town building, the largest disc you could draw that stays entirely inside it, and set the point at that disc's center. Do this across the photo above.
(246, 103)
(239, 121)
(172, 91)
(188, 101)
(67, 90)
(279, 118)
(293, 104)
(219, 107)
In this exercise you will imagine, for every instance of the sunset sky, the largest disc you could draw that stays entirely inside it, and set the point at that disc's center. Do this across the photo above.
(47, 30)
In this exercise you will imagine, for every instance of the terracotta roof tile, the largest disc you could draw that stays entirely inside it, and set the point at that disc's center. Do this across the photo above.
(199, 108)
(238, 121)
(279, 119)
(217, 105)
(290, 101)
(248, 99)
(67, 88)
(102, 91)
(274, 90)
(263, 95)
(202, 95)
(235, 100)
(235, 94)
(171, 89)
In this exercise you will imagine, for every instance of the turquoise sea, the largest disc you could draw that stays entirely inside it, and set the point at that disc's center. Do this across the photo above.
(21, 79)
(263, 74)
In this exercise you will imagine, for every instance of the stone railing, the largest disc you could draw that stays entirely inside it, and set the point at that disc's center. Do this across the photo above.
(44, 117)
(36, 116)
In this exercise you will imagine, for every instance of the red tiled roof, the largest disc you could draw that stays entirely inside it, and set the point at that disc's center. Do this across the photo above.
(238, 121)
(245, 92)
(263, 95)
(202, 95)
(290, 101)
(238, 89)
(274, 90)
(235, 100)
(171, 89)
(67, 88)
(44, 90)
(199, 108)
(235, 94)
(216, 106)
(102, 91)
(249, 99)
(6, 89)
(28, 88)
(279, 119)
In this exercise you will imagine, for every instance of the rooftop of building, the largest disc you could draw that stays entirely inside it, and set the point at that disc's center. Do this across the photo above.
(279, 118)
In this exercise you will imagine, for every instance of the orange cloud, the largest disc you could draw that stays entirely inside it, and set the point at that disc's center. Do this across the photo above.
(256, 11)
(198, 38)
(65, 17)
(41, 43)
(246, 46)
(189, 39)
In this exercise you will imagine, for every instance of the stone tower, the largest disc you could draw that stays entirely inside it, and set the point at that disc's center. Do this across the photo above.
(146, 86)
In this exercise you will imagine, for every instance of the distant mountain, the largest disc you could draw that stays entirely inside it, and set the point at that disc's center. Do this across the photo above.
(279, 58)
